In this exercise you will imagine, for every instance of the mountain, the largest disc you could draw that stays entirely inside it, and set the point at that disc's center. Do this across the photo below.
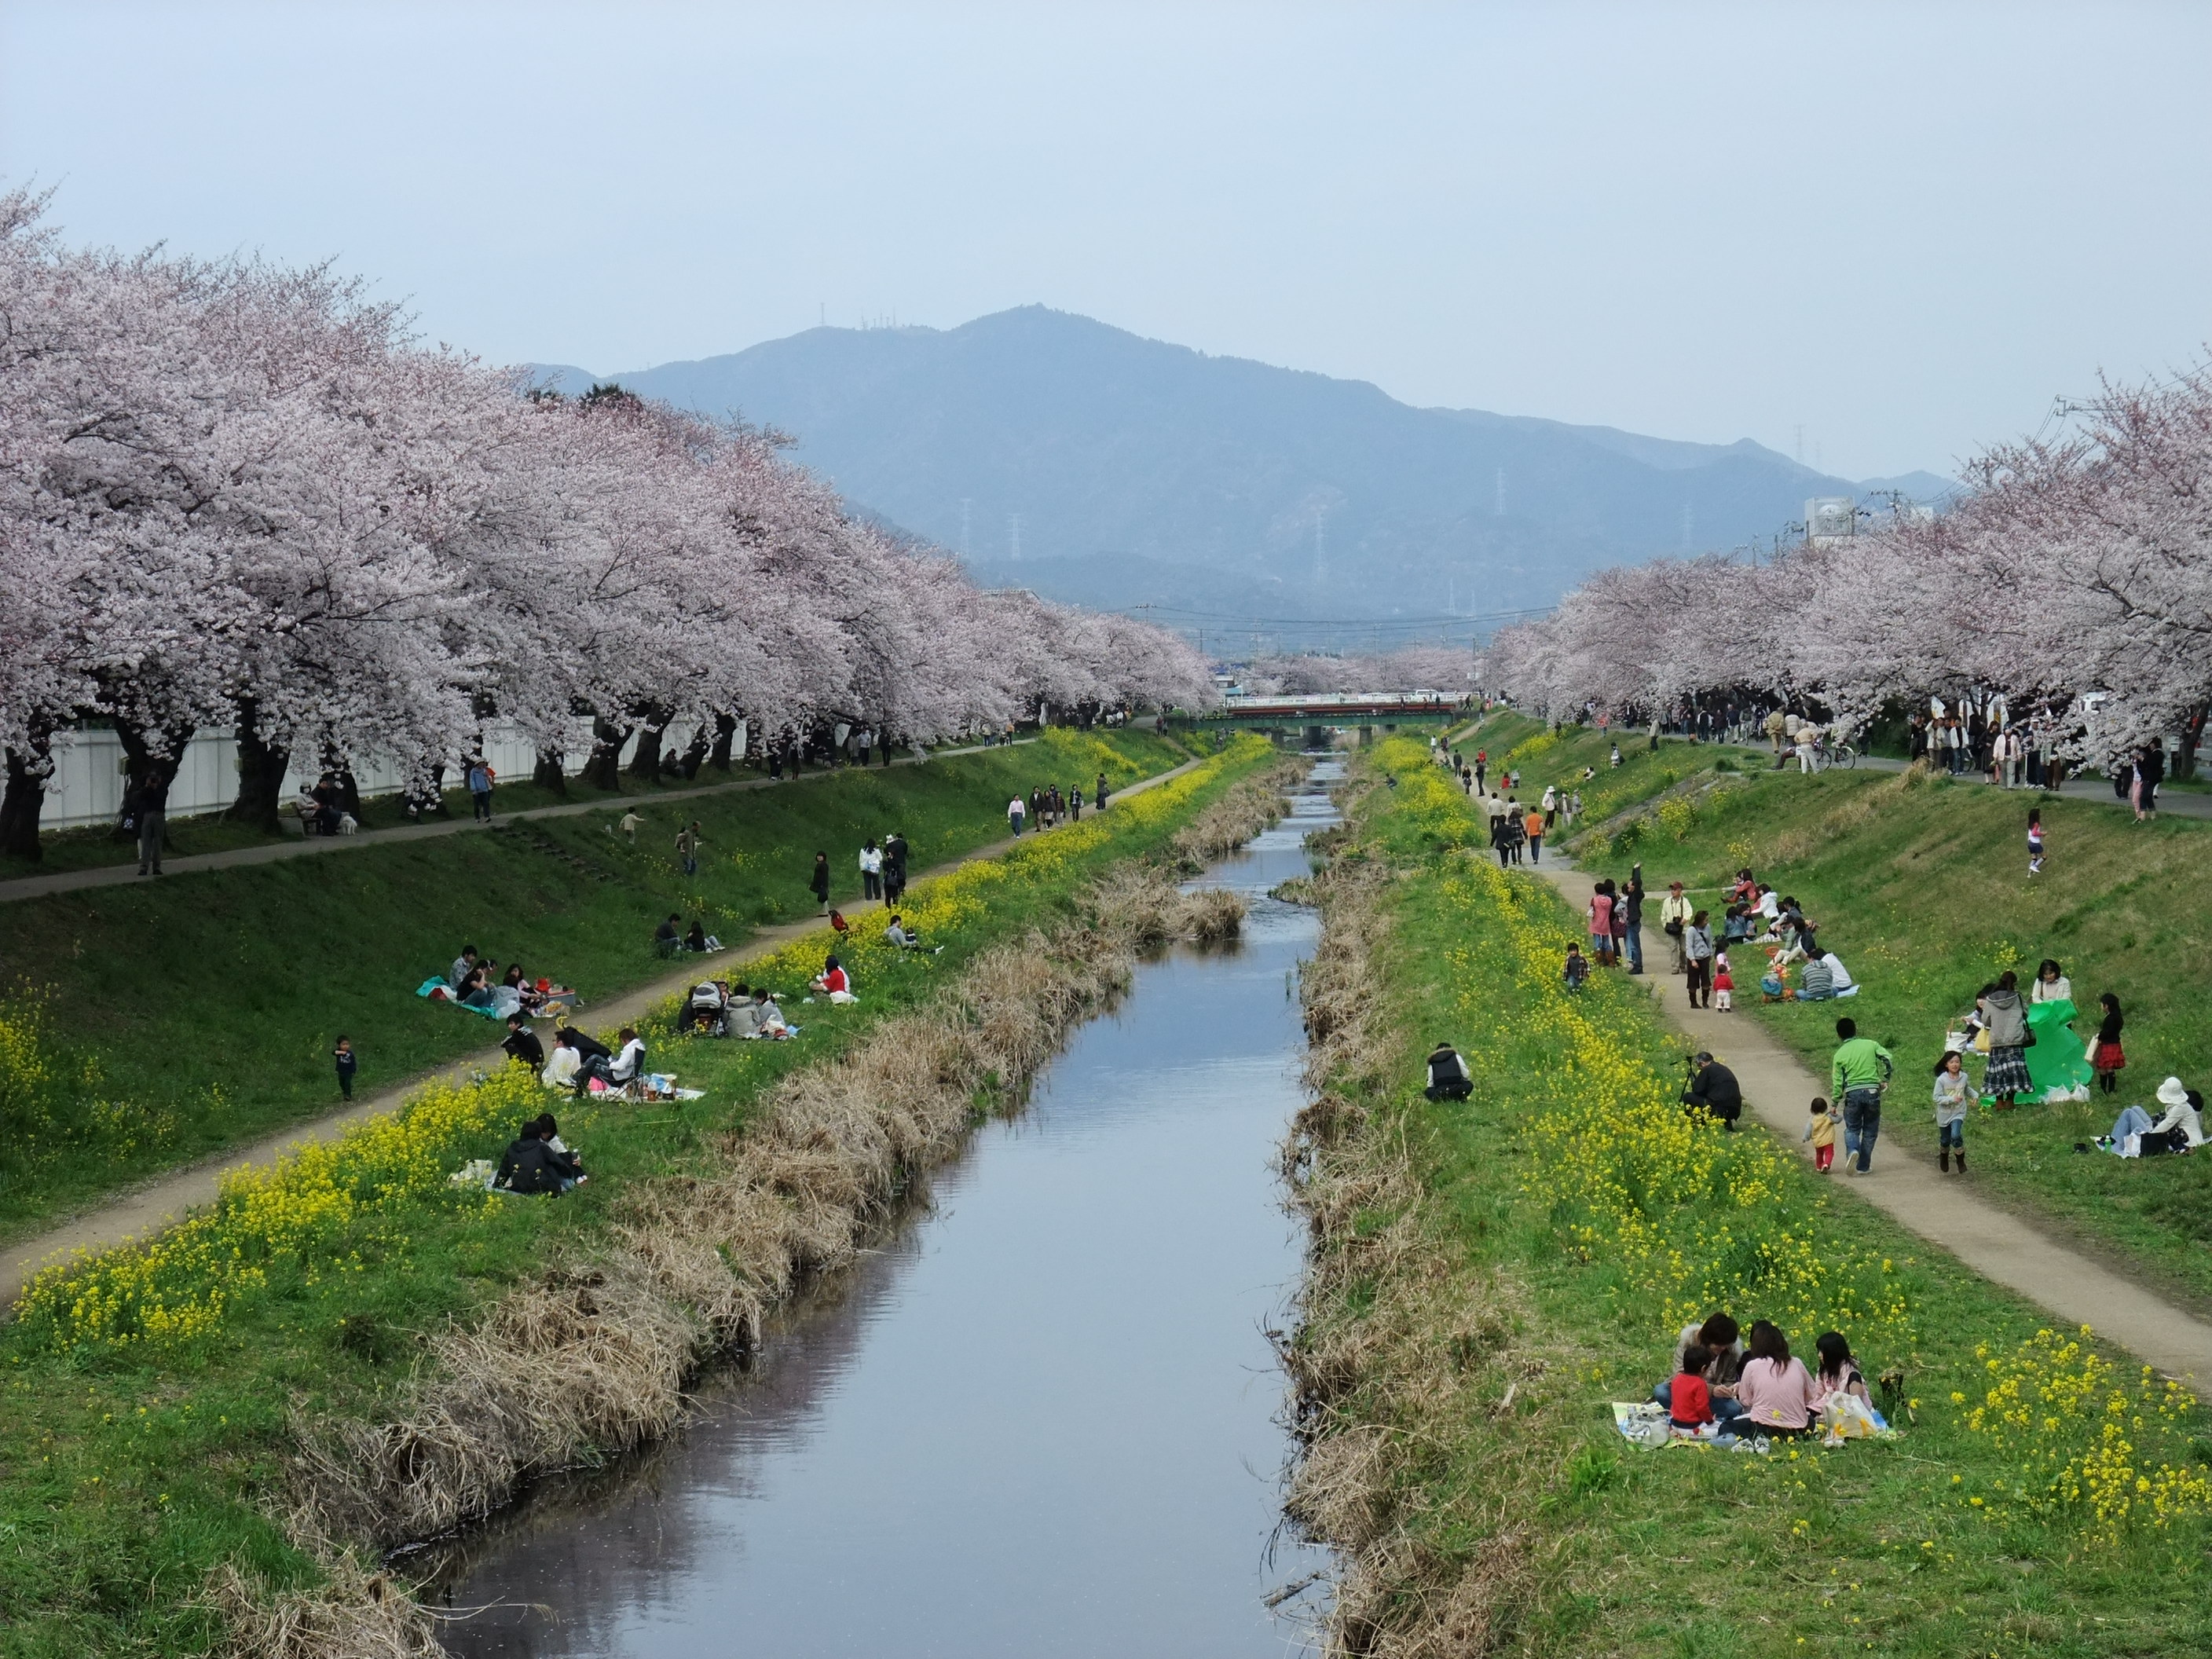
(1087, 463)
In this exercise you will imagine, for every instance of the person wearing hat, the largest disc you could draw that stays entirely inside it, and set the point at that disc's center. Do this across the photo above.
(2182, 1128)
(1675, 913)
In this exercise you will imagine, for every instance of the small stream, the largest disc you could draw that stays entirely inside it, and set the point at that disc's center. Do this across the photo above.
(1040, 1418)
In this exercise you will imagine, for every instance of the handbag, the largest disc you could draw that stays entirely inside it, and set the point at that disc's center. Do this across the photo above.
(1674, 929)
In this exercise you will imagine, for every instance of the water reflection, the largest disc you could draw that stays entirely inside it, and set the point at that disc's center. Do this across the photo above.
(1039, 1420)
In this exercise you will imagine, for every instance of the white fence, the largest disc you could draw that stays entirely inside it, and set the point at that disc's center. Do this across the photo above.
(87, 784)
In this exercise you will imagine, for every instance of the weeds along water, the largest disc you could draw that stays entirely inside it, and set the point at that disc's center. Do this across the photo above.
(1488, 1277)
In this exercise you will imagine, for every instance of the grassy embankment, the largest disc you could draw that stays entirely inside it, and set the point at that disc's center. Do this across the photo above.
(1921, 886)
(141, 1027)
(1489, 1275)
(156, 1398)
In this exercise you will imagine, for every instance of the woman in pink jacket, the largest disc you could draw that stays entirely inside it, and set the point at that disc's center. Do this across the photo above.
(1778, 1393)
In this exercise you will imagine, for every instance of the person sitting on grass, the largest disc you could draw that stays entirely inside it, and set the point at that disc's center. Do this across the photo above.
(1576, 972)
(668, 938)
(767, 1017)
(1778, 1393)
(628, 1067)
(1817, 983)
(740, 1019)
(522, 1043)
(904, 937)
(1689, 1399)
(1448, 1074)
(1839, 1372)
(463, 965)
(531, 1168)
(591, 1059)
(834, 982)
(1722, 1345)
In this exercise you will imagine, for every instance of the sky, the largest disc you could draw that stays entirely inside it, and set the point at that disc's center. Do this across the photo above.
(1880, 236)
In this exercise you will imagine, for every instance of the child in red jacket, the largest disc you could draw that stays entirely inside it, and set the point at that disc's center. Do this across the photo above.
(1690, 1400)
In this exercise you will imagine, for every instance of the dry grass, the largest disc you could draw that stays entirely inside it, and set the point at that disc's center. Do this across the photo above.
(1407, 1357)
(352, 1614)
(1239, 814)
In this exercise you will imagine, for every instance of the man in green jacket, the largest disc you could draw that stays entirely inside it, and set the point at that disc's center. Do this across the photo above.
(1858, 1075)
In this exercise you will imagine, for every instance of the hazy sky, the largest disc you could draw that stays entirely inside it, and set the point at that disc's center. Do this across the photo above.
(1905, 228)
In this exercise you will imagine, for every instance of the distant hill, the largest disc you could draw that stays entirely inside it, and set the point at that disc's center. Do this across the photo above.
(1142, 473)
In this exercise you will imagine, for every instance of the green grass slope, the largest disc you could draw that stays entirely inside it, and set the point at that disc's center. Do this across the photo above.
(146, 1025)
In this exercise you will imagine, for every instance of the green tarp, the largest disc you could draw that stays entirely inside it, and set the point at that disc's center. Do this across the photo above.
(2056, 1059)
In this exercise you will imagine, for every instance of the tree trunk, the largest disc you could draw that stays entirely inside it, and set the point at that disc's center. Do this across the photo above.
(725, 732)
(143, 757)
(2192, 733)
(548, 773)
(602, 770)
(28, 768)
(261, 769)
(694, 756)
(645, 764)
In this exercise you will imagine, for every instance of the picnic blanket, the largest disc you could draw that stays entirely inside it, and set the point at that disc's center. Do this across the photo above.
(438, 991)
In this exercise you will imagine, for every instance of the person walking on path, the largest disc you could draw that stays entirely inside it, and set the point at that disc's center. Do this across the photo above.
(1953, 1094)
(1016, 810)
(687, 847)
(1532, 826)
(2150, 772)
(1481, 769)
(895, 867)
(1675, 912)
(480, 782)
(1858, 1075)
(872, 870)
(1099, 799)
(1630, 913)
(151, 805)
(347, 1063)
(820, 882)
(1698, 950)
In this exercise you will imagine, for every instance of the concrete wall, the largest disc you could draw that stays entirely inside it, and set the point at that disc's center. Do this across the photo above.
(87, 784)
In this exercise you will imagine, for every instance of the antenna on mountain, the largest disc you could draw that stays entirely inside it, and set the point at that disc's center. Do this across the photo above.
(1801, 443)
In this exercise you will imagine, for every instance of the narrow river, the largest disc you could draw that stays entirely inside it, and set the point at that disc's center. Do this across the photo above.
(1041, 1419)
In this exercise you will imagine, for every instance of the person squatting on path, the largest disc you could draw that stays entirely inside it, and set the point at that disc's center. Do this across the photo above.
(1953, 1094)
(1858, 1075)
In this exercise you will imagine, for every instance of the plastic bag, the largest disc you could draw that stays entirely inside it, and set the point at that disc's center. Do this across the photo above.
(1847, 1417)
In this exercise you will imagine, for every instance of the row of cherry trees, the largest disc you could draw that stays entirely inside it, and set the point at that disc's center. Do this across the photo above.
(2069, 567)
(240, 495)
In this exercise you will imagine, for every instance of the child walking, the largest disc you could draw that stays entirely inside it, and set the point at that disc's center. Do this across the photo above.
(1953, 1094)
(1723, 983)
(1577, 967)
(347, 1064)
(2034, 840)
(1821, 1132)
(2106, 1056)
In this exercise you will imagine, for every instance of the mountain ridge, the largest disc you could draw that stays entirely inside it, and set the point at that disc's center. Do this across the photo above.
(1045, 447)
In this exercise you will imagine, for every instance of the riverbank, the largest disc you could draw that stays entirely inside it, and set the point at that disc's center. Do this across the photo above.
(145, 1028)
(1920, 883)
(1489, 1276)
(365, 1281)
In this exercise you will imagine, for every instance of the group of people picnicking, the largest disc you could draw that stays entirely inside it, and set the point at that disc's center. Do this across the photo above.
(479, 982)
(1045, 807)
(1729, 1385)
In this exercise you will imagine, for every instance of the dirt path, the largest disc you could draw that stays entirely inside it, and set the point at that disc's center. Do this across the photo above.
(164, 1201)
(114, 875)
(1943, 1209)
